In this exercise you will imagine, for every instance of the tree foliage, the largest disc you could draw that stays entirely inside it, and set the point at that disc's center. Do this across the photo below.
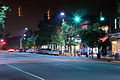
(48, 30)
(91, 36)
(118, 6)
(68, 32)
(3, 10)
(29, 42)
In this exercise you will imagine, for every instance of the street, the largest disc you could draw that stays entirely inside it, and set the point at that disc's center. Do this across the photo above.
(29, 66)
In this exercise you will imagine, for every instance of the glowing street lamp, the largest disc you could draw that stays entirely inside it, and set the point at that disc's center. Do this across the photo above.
(2, 40)
(24, 35)
(62, 13)
(26, 28)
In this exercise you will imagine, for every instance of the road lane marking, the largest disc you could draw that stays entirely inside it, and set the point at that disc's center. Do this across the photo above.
(83, 68)
(25, 72)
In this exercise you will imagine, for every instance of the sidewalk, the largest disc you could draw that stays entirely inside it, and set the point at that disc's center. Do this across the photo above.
(111, 59)
(103, 58)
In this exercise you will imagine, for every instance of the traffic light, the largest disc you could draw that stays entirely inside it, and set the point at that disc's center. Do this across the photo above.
(77, 19)
(3, 43)
(101, 16)
(19, 11)
(102, 19)
(48, 12)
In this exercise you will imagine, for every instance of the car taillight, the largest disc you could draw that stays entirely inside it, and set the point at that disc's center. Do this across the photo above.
(11, 50)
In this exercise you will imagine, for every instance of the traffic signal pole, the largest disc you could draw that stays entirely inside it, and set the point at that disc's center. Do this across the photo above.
(21, 39)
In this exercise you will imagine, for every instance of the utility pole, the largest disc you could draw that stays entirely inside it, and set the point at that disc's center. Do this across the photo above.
(21, 39)
(76, 19)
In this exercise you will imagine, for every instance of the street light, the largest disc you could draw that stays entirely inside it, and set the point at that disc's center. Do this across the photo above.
(21, 39)
(2, 40)
(62, 13)
(62, 16)
(24, 35)
(26, 28)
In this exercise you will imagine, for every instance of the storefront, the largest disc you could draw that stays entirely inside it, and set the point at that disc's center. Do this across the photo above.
(115, 40)
(114, 47)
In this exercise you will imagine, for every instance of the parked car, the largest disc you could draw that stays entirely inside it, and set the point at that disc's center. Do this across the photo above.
(46, 51)
(11, 50)
(50, 52)
(38, 51)
(19, 50)
(30, 51)
(24, 50)
(54, 52)
(41, 51)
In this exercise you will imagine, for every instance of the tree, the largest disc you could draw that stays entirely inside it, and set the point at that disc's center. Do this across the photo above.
(57, 39)
(118, 6)
(47, 30)
(91, 36)
(3, 10)
(29, 42)
(68, 34)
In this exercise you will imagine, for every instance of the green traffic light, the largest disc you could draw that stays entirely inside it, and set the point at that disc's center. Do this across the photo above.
(77, 19)
(102, 18)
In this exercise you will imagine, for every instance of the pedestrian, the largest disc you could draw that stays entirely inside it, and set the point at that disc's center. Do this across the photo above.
(100, 50)
(79, 53)
(86, 54)
(83, 51)
(90, 52)
(116, 56)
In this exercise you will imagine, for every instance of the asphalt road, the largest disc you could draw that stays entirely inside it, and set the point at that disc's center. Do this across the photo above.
(26, 66)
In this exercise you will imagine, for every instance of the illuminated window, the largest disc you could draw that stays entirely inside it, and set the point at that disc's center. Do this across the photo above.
(119, 23)
(115, 23)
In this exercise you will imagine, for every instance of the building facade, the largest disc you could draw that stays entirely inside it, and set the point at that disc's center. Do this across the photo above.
(115, 36)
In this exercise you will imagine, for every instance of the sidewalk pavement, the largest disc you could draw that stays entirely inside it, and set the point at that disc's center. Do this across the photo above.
(103, 58)
(111, 59)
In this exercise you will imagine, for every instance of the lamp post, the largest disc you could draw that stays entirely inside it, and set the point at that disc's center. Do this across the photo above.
(21, 39)
(62, 15)
(77, 20)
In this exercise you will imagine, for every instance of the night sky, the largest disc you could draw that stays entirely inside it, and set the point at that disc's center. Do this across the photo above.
(33, 11)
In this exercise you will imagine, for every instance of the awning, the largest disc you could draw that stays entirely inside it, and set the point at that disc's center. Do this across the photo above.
(103, 39)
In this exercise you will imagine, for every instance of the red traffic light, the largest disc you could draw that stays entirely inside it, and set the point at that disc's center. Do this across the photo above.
(3, 43)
